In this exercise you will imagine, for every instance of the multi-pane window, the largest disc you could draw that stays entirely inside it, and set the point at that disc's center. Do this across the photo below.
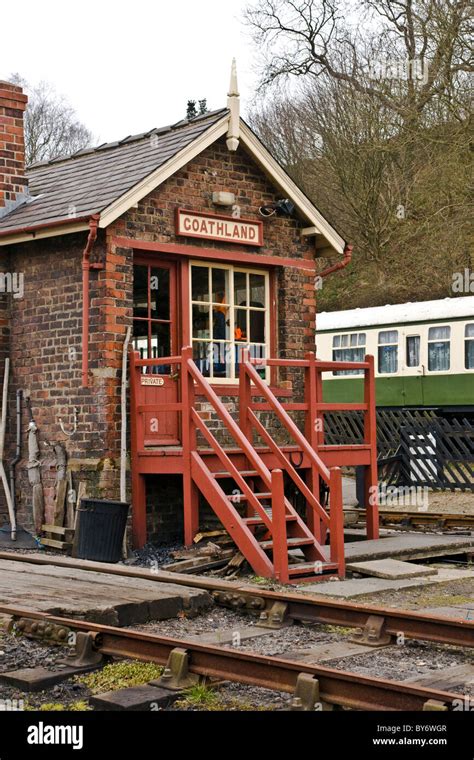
(388, 352)
(152, 319)
(439, 348)
(469, 346)
(413, 350)
(349, 347)
(230, 310)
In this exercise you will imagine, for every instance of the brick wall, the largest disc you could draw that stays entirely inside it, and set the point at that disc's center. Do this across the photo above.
(45, 325)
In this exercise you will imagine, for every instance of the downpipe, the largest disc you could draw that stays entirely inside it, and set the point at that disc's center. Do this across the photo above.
(86, 267)
(17, 457)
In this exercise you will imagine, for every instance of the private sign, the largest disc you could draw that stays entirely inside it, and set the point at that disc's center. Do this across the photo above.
(215, 227)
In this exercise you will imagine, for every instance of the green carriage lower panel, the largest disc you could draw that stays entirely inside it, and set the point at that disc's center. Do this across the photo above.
(439, 390)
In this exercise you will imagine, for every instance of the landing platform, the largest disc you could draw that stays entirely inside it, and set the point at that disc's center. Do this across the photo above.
(98, 597)
(408, 546)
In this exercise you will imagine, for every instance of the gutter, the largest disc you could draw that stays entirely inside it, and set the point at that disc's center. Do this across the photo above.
(86, 267)
(347, 258)
(31, 229)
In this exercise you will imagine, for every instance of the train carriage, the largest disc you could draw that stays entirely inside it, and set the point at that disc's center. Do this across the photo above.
(424, 354)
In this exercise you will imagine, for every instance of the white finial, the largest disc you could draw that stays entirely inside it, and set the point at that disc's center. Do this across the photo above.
(233, 104)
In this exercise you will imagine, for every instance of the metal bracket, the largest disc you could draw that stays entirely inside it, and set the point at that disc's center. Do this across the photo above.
(306, 697)
(275, 616)
(50, 633)
(238, 601)
(85, 653)
(176, 674)
(373, 633)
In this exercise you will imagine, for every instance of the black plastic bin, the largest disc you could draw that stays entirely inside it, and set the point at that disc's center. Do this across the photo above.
(101, 527)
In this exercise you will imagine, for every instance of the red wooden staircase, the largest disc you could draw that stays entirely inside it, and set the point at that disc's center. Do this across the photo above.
(269, 527)
(245, 482)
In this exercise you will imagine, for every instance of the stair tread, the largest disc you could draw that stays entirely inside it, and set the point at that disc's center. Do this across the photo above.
(243, 473)
(242, 497)
(291, 542)
(308, 567)
(256, 520)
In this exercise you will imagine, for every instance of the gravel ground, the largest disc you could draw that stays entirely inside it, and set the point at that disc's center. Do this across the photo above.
(20, 652)
(423, 597)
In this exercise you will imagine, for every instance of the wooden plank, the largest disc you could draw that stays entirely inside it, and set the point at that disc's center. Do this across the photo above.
(57, 529)
(56, 544)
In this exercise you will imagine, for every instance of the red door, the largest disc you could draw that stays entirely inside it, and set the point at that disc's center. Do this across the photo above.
(155, 336)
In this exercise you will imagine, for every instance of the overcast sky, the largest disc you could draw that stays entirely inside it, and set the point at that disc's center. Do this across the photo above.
(127, 67)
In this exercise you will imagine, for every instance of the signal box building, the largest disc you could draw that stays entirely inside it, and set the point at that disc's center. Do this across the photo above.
(192, 241)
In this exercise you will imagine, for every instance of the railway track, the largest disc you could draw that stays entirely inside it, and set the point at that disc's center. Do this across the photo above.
(276, 608)
(424, 519)
(330, 687)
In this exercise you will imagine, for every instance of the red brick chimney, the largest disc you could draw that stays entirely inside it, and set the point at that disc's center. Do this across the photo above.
(13, 182)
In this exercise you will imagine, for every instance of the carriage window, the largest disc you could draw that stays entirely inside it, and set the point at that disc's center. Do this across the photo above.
(388, 352)
(439, 348)
(413, 350)
(230, 309)
(469, 346)
(349, 347)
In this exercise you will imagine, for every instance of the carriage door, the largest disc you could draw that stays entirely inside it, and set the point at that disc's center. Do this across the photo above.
(155, 336)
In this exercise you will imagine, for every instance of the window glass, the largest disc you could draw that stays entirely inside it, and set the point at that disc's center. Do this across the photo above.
(152, 314)
(469, 347)
(140, 292)
(229, 313)
(413, 350)
(200, 284)
(388, 352)
(220, 285)
(160, 293)
(349, 347)
(439, 348)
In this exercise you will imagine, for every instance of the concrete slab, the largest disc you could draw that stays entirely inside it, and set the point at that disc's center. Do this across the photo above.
(37, 679)
(445, 679)
(459, 611)
(326, 652)
(135, 698)
(394, 569)
(408, 546)
(94, 596)
(228, 636)
(361, 586)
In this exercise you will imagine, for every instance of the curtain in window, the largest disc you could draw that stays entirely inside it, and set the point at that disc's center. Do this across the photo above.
(413, 351)
(388, 359)
(439, 349)
(344, 350)
(388, 352)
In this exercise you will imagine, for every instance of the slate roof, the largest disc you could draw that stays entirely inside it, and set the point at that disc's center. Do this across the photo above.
(91, 179)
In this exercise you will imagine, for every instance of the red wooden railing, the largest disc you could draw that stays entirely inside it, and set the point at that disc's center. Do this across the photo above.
(254, 396)
(334, 522)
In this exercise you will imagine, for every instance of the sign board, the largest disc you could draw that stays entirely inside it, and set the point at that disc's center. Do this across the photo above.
(216, 227)
(151, 380)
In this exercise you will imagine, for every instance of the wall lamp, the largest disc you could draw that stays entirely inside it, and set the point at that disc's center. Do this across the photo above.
(283, 207)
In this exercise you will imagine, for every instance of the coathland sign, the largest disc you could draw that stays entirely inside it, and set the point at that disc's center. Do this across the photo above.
(215, 227)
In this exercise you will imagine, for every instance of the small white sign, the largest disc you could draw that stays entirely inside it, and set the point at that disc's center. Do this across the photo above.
(151, 380)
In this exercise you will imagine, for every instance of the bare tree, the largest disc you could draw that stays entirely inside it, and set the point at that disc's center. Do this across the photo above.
(313, 38)
(52, 128)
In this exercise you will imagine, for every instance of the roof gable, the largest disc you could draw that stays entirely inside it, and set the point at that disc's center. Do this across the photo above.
(110, 179)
